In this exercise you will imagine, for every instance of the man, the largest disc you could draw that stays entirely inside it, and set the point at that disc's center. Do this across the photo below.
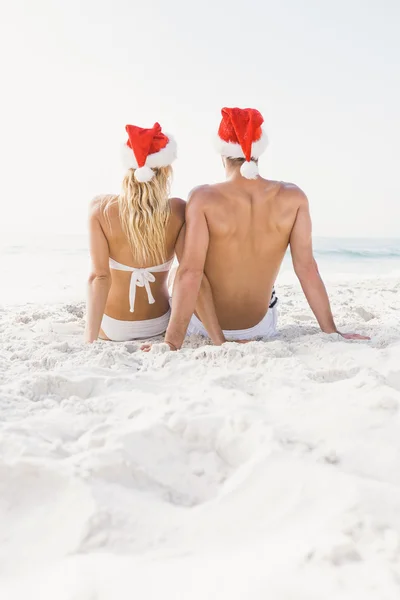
(237, 233)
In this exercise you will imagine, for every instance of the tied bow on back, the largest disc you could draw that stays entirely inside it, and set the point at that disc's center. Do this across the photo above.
(140, 278)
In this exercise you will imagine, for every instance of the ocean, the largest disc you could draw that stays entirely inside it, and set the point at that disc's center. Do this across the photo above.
(54, 268)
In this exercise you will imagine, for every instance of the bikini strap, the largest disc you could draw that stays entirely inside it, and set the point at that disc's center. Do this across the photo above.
(140, 278)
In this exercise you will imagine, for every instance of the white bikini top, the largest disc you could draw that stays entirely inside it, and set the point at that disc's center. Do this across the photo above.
(140, 278)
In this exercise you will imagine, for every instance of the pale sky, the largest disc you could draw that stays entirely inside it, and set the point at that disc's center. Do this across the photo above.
(325, 75)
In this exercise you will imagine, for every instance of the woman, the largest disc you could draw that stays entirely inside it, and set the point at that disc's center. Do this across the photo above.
(133, 238)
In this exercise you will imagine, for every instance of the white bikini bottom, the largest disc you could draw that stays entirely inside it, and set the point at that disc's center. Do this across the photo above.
(123, 331)
(264, 329)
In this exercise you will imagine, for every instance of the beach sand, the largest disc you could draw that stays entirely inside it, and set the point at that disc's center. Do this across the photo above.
(241, 472)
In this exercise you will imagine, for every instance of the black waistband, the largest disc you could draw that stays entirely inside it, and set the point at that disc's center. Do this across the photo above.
(274, 299)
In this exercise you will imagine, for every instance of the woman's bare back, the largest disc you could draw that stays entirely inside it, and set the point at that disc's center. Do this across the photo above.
(117, 305)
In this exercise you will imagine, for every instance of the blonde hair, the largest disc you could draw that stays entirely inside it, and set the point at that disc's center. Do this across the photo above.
(144, 213)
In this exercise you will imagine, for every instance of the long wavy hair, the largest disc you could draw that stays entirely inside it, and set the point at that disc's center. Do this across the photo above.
(144, 212)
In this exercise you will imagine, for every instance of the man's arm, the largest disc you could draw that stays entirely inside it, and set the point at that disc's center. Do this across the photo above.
(306, 270)
(205, 307)
(99, 282)
(190, 272)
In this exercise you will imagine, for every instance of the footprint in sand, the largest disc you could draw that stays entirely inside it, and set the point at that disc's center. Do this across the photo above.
(302, 317)
(333, 375)
(364, 314)
(56, 386)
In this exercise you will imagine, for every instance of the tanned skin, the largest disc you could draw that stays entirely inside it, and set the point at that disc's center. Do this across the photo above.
(108, 290)
(237, 233)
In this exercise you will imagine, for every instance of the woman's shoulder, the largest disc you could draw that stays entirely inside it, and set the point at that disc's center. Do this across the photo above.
(102, 202)
(178, 207)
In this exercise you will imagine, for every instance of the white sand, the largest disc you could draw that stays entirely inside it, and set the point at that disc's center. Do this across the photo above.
(270, 470)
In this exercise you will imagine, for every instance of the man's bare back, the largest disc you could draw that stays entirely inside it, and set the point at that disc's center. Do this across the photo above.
(249, 223)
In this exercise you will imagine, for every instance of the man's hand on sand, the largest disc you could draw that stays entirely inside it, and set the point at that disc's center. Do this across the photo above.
(148, 346)
(353, 336)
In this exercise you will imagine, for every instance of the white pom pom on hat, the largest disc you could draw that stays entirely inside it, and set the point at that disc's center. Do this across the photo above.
(249, 169)
(144, 174)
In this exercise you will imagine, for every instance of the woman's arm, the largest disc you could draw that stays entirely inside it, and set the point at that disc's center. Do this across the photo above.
(205, 307)
(99, 282)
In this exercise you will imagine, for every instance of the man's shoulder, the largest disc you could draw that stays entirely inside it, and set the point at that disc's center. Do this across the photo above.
(202, 194)
(291, 192)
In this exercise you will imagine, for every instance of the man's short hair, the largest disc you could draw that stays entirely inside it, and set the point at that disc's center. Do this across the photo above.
(239, 161)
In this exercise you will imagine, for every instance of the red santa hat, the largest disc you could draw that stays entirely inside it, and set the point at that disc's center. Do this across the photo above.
(240, 135)
(147, 149)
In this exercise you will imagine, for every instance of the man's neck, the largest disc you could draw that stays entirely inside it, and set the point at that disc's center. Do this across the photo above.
(232, 173)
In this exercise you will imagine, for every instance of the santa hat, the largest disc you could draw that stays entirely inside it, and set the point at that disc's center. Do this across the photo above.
(147, 149)
(240, 135)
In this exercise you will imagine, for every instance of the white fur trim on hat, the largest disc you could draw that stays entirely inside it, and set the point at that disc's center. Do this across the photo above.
(234, 150)
(249, 170)
(163, 158)
(144, 174)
